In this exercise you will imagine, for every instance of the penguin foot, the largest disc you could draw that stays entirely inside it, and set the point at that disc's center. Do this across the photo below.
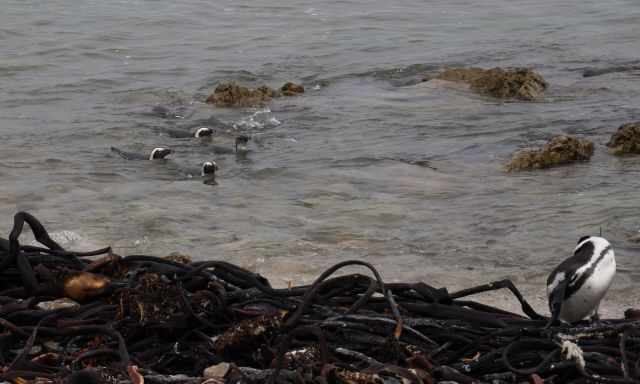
(594, 320)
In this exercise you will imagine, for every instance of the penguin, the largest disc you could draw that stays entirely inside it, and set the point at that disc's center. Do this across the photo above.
(209, 122)
(241, 142)
(156, 154)
(209, 168)
(576, 286)
(198, 132)
(208, 172)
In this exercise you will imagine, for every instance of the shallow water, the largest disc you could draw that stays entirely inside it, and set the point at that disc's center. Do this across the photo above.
(329, 176)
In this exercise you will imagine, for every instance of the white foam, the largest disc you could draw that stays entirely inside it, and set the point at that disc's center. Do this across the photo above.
(258, 120)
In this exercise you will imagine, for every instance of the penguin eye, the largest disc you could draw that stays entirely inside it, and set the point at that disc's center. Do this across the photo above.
(583, 238)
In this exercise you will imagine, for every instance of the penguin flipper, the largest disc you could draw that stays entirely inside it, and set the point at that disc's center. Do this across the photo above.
(556, 298)
(122, 153)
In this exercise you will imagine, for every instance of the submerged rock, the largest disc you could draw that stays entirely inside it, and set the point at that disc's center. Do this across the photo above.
(291, 89)
(559, 150)
(521, 83)
(626, 140)
(231, 94)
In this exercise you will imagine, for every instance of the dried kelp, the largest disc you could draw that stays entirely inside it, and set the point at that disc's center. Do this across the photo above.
(96, 317)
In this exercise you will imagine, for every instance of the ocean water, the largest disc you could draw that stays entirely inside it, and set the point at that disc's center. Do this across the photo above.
(334, 174)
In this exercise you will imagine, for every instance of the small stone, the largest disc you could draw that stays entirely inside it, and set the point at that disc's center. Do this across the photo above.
(216, 371)
(292, 89)
(626, 140)
(57, 304)
(559, 150)
(178, 257)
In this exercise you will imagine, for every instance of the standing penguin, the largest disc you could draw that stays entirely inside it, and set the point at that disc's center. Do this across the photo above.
(576, 286)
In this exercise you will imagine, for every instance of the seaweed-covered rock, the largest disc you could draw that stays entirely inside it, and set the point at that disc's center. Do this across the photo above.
(521, 83)
(178, 257)
(559, 150)
(626, 140)
(291, 89)
(232, 94)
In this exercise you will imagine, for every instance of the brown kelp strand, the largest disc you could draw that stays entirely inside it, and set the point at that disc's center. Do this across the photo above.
(98, 317)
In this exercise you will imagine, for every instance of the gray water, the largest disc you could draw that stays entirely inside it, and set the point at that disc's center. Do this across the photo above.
(329, 176)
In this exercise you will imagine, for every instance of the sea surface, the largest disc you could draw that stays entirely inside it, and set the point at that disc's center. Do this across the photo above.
(370, 163)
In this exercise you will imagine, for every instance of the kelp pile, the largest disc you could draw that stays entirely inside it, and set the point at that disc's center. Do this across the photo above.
(97, 317)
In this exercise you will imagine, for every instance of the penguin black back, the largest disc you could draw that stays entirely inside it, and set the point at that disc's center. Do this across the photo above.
(156, 154)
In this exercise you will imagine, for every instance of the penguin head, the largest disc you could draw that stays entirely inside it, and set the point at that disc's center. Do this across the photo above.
(160, 153)
(592, 245)
(583, 238)
(241, 142)
(203, 132)
(209, 168)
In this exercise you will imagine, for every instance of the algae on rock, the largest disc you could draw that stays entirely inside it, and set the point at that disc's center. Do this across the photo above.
(521, 83)
(559, 150)
(231, 94)
(291, 89)
(626, 140)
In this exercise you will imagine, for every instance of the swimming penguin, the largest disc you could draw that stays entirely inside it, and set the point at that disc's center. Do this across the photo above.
(576, 286)
(209, 122)
(209, 168)
(156, 154)
(240, 141)
(196, 132)
(208, 172)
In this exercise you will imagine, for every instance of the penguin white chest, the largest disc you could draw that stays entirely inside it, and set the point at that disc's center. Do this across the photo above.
(586, 299)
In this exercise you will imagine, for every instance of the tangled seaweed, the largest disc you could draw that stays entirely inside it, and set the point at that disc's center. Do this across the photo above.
(150, 319)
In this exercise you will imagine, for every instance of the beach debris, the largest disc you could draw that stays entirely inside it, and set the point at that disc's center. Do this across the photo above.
(216, 371)
(558, 150)
(57, 304)
(518, 83)
(80, 286)
(626, 140)
(166, 321)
